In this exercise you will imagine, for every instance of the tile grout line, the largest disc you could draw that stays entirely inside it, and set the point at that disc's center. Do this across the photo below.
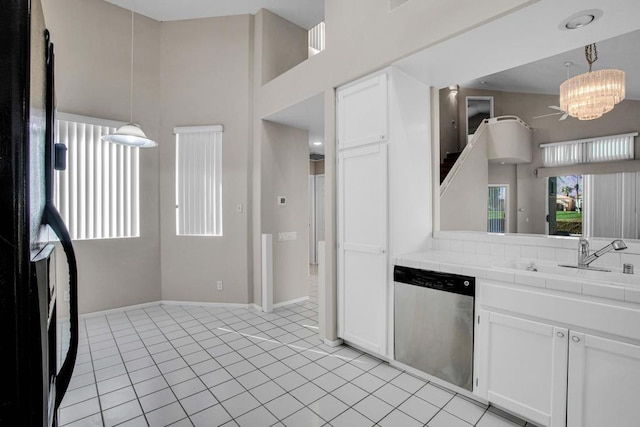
(95, 379)
(250, 326)
(233, 377)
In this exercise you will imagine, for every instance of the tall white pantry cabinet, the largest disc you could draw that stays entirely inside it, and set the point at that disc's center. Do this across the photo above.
(384, 201)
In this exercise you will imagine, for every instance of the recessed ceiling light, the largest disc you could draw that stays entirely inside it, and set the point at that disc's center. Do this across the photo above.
(317, 143)
(580, 19)
(482, 82)
(579, 22)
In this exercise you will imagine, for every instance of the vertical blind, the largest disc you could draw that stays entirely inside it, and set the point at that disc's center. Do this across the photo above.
(199, 180)
(496, 209)
(591, 150)
(316, 38)
(98, 194)
(611, 205)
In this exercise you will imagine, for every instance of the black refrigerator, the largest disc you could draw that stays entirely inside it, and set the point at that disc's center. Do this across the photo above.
(37, 366)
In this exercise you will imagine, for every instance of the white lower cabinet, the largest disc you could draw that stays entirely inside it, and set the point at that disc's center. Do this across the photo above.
(363, 259)
(604, 382)
(523, 367)
(557, 377)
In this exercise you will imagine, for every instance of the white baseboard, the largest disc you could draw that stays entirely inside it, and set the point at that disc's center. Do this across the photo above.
(293, 301)
(190, 303)
(119, 309)
(207, 304)
(335, 343)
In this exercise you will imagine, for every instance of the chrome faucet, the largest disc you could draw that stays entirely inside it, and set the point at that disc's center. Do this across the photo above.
(584, 258)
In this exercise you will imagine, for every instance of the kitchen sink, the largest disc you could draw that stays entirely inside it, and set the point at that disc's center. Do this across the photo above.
(532, 266)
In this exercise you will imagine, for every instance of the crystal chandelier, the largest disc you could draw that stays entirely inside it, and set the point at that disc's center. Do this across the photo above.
(590, 95)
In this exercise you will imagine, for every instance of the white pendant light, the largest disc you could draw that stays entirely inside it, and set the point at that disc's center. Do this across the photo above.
(130, 134)
(590, 95)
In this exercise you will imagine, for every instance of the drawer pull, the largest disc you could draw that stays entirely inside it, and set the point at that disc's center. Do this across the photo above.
(560, 334)
(575, 338)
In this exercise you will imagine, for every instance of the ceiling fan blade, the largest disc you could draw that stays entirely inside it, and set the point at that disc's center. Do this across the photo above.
(555, 107)
(564, 117)
(547, 115)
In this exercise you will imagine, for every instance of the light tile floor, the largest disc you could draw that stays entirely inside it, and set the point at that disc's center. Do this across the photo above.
(207, 366)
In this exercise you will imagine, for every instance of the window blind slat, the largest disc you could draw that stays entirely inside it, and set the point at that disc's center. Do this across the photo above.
(73, 179)
(198, 182)
(98, 193)
(604, 149)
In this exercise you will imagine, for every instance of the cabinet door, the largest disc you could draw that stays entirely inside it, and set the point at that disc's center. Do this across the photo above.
(363, 116)
(604, 382)
(362, 253)
(523, 367)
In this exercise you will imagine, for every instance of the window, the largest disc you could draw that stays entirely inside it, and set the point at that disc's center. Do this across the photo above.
(97, 195)
(566, 197)
(316, 39)
(497, 208)
(590, 150)
(198, 180)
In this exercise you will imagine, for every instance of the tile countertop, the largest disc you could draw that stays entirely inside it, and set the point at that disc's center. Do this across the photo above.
(610, 285)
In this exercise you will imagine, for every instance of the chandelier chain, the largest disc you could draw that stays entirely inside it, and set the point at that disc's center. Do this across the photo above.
(591, 53)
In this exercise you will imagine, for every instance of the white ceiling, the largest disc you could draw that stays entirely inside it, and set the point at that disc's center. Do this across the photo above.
(305, 13)
(528, 35)
(545, 76)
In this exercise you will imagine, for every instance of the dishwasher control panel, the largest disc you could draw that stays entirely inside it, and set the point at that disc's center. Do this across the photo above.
(463, 285)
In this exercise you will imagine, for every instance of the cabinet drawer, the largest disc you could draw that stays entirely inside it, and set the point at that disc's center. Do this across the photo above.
(608, 317)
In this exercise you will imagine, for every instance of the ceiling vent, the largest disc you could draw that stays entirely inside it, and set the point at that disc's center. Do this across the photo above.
(316, 157)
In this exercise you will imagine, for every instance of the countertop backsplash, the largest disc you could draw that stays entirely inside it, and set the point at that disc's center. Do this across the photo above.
(549, 248)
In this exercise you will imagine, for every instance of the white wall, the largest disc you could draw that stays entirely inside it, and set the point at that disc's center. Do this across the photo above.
(284, 45)
(206, 74)
(464, 202)
(285, 172)
(92, 42)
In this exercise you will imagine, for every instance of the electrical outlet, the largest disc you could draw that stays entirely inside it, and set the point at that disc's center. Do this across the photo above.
(67, 296)
(219, 285)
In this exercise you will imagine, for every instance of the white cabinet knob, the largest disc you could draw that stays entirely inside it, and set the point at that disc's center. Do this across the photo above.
(575, 338)
(560, 334)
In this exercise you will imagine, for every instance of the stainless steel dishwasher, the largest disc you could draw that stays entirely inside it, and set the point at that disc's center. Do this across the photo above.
(434, 315)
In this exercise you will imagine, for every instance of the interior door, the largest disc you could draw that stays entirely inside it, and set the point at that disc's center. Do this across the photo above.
(523, 367)
(362, 237)
(604, 382)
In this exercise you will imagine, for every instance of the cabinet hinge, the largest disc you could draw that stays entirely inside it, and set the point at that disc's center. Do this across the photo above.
(478, 319)
(476, 382)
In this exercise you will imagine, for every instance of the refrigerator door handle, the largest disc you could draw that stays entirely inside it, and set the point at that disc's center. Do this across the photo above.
(53, 218)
